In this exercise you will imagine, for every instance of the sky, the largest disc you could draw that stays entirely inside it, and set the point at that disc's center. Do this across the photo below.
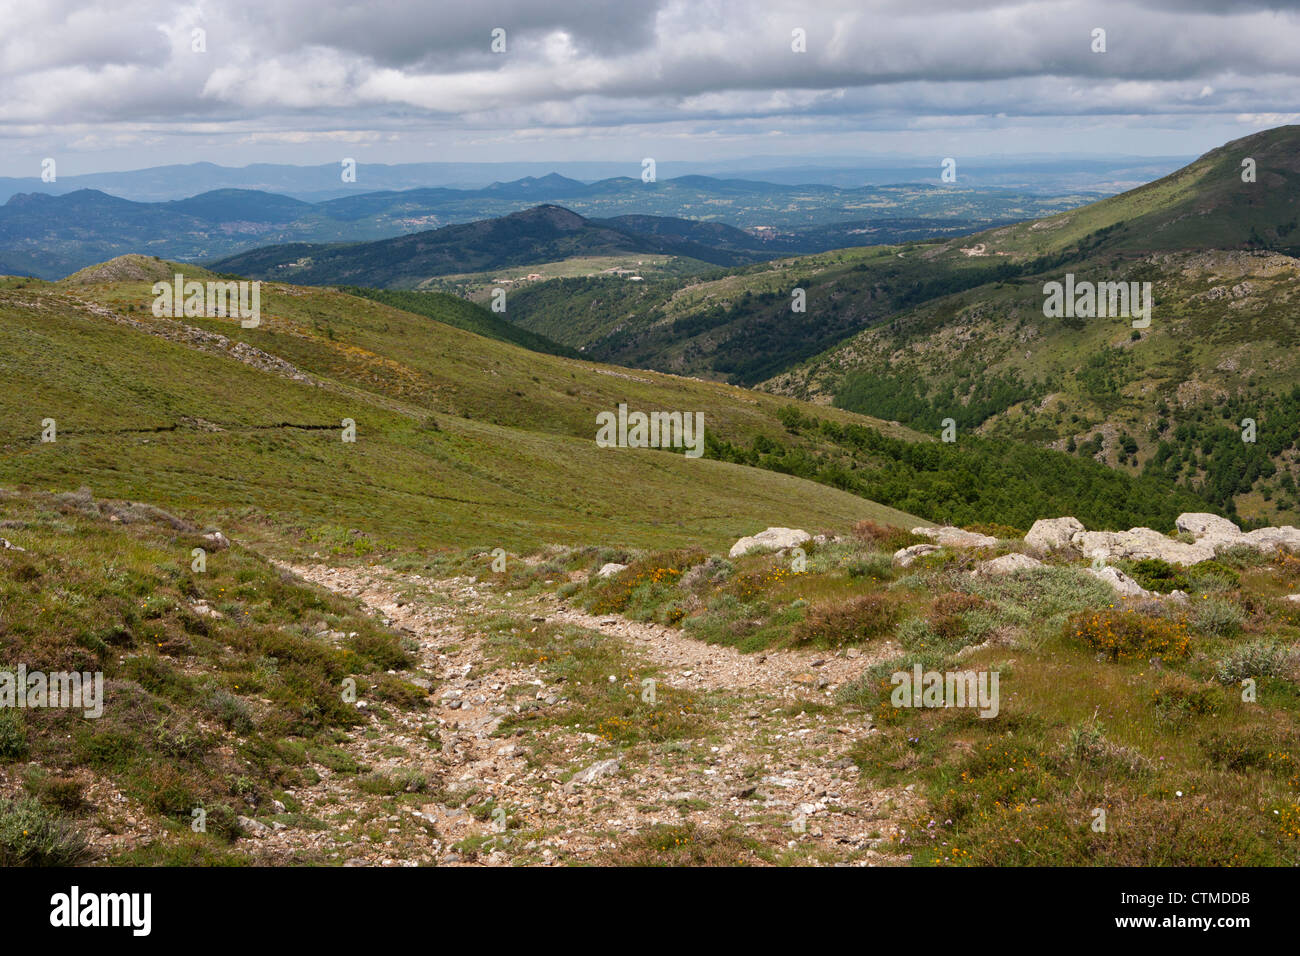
(103, 86)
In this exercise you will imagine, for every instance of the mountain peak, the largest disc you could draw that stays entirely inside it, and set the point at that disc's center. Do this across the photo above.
(557, 217)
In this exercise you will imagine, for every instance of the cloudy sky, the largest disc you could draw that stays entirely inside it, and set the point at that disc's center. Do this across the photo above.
(105, 85)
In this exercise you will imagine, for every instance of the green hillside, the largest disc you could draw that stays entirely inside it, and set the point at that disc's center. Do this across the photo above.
(1172, 399)
(541, 234)
(461, 441)
(464, 315)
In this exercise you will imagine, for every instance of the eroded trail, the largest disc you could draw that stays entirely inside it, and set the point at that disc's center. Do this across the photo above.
(763, 777)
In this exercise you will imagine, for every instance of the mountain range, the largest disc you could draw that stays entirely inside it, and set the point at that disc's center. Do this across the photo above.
(50, 236)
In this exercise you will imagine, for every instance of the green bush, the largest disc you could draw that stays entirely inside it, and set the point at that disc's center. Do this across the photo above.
(13, 735)
(848, 622)
(31, 835)
(1217, 617)
(1256, 659)
(1156, 575)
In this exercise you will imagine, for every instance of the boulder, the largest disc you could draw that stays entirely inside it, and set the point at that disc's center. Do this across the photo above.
(1138, 543)
(772, 539)
(1270, 539)
(601, 768)
(1199, 524)
(609, 570)
(1053, 534)
(1219, 534)
(216, 541)
(904, 557)
(1124, 585)
(956, 538)
(1007, 564)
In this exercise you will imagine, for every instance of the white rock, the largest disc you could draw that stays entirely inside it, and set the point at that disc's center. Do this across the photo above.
(1051, 534)
(216, 540)
(1199, 524)
(601, 768)
(956, 537)
(609, 570)
(904, 557)
(1007, 564)
(772, 539)
(1270, 539)
(1124, 585)
(7, 545)
(253, 828)
(1138, 543)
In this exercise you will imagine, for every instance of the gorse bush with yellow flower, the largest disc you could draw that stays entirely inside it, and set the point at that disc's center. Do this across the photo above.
(1126, 634)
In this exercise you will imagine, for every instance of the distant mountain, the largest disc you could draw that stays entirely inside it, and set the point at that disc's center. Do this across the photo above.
(1045, 174)
(542, 234)
(50, 236)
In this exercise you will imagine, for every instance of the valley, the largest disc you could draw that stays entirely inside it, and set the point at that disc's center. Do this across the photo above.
(367, 587)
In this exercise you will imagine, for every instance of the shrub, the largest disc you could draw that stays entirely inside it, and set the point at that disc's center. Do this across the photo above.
(643, 585)
(884, 537)
(1252, 747)
(1087, 746)
(1126, 635)
(230, 711)
(858, 619)
(876, 567)
(1176, 705)
(1157, 575)
(1217, 617)
(13, 735)
(65, 794)
(31, 835)
(1211, 576)
(1256, 659)
(711, 573)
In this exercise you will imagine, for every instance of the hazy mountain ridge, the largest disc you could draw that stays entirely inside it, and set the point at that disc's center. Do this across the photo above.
(51, 235)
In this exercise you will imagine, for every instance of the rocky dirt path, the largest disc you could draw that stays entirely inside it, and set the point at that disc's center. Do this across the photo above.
(767, 779)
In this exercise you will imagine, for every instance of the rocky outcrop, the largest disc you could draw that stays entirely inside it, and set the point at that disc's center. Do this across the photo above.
(1219, 534)
(611, 569)
(906, 557)
(1053, 534)
(772, 539)
(951, 537)
(1199, 524)
(1124, 585)
(1007, 564)
(1137, 544)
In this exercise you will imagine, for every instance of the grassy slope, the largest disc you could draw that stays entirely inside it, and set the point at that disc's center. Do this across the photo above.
(1220, 346)
(219, 713)
(513, 463)
(464, 315)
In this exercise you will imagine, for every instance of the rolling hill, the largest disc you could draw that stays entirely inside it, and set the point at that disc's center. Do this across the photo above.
(542, 234)
(1168, 399)
(462, 441)
(49, 235)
